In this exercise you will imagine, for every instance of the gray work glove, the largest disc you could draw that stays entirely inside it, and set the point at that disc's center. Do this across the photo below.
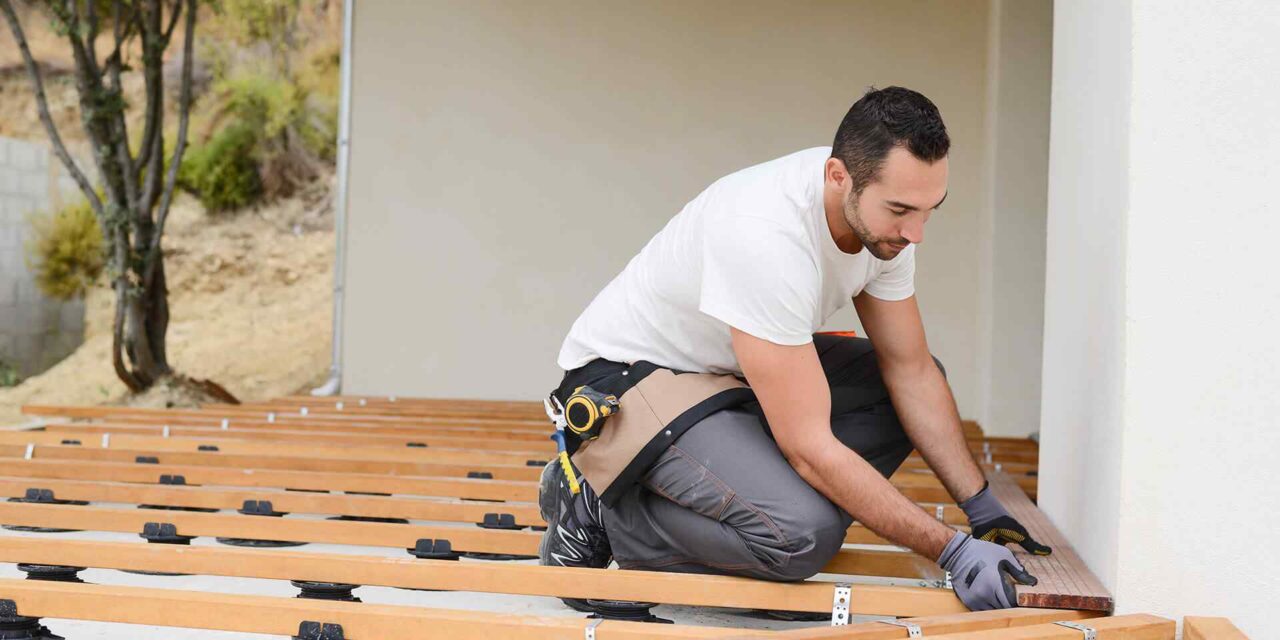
(991, 522)
(982, 572)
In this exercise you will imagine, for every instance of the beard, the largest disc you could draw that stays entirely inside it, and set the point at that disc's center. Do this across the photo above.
(882, 247)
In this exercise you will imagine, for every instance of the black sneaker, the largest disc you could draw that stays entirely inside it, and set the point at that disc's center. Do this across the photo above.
(575, 535)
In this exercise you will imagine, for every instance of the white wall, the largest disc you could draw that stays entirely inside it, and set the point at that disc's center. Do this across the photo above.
(1081, 410)
(1161, 371)
(1012, 290)
(35, 331)
(509, 158)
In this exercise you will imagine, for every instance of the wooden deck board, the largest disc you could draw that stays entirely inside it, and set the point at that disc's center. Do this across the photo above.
(1065, 580)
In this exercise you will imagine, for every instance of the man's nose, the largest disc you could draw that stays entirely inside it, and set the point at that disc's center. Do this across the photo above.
(913, 230)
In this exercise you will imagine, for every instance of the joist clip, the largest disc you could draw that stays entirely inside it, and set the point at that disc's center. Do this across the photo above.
(589, 632)
(501, 521)
(913, 629)
(841, 598)
(429, 549)
(311, 630)
(258, 508)
(163, 533)
(1089, 632)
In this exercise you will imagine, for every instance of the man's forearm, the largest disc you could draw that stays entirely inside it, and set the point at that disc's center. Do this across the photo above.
(928, 413)
(846, 479)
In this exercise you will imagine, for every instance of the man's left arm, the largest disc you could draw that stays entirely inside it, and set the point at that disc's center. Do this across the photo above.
(927, 410)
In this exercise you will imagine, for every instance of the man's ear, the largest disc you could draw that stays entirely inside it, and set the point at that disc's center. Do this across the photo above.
(837, 173)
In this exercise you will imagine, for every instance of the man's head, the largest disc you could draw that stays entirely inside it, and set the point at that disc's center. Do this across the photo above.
(887, 171)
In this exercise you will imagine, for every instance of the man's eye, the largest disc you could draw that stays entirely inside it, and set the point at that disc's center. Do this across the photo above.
(899, 213)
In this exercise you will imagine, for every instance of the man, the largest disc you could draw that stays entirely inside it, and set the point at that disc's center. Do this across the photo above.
(735, 286)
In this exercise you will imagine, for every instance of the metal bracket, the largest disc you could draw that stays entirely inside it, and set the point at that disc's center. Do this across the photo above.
(939, 512)
(271, 417)
(913, 629)
(106, 440)
(31, 451)
(946, 581)
(165, 432)
(225, 424)
(303, 411)
(840, 600)
(589, 632)
(1089, 632)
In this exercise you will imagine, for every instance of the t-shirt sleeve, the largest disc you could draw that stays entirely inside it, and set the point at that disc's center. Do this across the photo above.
(896, 280)
(759, 279)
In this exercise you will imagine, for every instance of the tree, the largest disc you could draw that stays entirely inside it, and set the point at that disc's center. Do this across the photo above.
(137, 186)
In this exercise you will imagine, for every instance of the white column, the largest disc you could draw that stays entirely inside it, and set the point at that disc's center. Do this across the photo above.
(1161, 411)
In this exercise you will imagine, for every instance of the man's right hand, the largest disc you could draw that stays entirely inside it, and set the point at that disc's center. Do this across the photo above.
(982, 572)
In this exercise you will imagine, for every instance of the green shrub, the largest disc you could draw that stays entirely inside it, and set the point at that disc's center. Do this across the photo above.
(223, 173)
(8, 375)
(65, 250)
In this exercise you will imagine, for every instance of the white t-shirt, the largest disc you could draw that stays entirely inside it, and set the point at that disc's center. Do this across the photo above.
(753, 252)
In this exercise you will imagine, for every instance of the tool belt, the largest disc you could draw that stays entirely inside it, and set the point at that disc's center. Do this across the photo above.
(657, 406)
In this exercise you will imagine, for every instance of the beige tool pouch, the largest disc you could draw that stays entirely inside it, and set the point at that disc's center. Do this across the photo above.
(657, 406)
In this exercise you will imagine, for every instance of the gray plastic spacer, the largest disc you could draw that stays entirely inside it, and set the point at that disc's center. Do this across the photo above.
(840, 600)
(1089, 632)
(913, 629)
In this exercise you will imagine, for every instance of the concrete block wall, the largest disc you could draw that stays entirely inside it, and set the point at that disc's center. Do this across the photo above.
(35, 331)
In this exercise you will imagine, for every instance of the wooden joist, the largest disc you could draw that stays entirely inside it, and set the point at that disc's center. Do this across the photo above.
(889, 563)
(921, 487)
(282, 616)
(431, 487)
(362, 621)
(1207, 628)
(463, 458)
(484, 577)
(231, 414)
(300, 433)
(265, 460)
(464, 488)
(1065, 582)
(435, 510)
(1138, 626)
(365, 506)
(532, 444)
(1006, 624)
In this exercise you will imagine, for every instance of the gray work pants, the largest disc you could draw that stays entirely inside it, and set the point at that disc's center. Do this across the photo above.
(723, 500)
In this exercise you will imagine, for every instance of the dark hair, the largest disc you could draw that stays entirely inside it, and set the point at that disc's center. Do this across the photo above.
(882, 119)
